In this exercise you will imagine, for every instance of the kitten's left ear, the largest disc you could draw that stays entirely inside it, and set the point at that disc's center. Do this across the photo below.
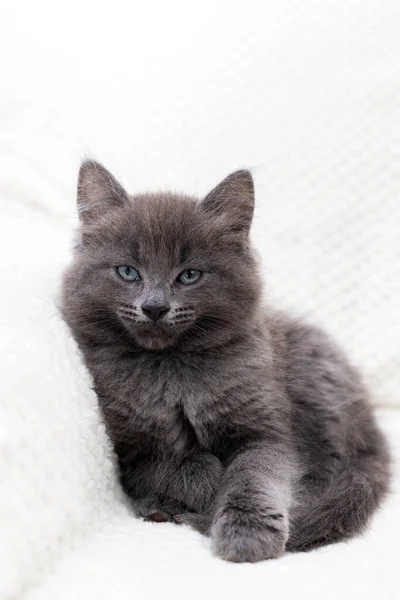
(98, 192)
(233, 199)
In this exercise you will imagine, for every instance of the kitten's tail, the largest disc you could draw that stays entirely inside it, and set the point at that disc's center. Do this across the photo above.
(342, 511)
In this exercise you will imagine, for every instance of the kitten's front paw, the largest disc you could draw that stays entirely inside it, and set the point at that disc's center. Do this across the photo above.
(245, 536)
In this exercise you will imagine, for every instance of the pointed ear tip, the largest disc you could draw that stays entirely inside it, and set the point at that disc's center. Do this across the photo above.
(244, 180)
(243, 175)
(86, 176)
(90, 171)
(88, 164)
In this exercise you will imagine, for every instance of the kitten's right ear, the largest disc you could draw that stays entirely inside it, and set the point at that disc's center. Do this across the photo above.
(233, 201)
(98, 192)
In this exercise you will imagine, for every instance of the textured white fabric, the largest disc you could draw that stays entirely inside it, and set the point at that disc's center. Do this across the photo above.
(178, 94)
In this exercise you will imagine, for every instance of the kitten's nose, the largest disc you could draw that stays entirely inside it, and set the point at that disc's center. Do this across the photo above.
(154, 311)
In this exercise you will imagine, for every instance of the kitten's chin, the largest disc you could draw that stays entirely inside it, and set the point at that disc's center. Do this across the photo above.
(154, 338)
(153, 343)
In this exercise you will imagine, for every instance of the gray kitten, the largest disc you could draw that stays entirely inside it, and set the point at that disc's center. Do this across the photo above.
(239, 420)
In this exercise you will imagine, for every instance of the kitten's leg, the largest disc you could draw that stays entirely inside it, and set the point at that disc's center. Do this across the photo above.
(171, 486)
(197, 481)
(251, 521)
(199, 522)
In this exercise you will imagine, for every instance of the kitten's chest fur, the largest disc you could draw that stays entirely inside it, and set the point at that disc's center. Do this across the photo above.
(179, 400)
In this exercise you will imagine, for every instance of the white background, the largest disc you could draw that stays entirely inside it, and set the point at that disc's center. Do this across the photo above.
(178, 94)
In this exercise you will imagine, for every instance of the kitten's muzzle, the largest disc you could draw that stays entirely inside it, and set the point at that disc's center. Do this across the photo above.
(154, 311)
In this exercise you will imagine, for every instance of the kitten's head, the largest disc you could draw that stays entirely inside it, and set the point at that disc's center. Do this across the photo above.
(161, 270)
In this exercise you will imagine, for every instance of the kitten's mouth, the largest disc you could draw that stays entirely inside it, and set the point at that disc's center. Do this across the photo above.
(160, 334)
(155, 336)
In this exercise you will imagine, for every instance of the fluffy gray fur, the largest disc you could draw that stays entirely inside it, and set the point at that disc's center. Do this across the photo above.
(247, 424)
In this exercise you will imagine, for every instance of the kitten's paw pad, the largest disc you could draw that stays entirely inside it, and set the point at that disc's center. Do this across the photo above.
(156, 511)
(159, 517)
(239, 536)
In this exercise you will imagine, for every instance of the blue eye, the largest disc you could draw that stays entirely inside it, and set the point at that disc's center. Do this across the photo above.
(189, 276)
(128, 273)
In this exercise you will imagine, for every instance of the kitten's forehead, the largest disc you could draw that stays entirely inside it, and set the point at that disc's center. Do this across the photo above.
(163, 227)
(164, 213)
